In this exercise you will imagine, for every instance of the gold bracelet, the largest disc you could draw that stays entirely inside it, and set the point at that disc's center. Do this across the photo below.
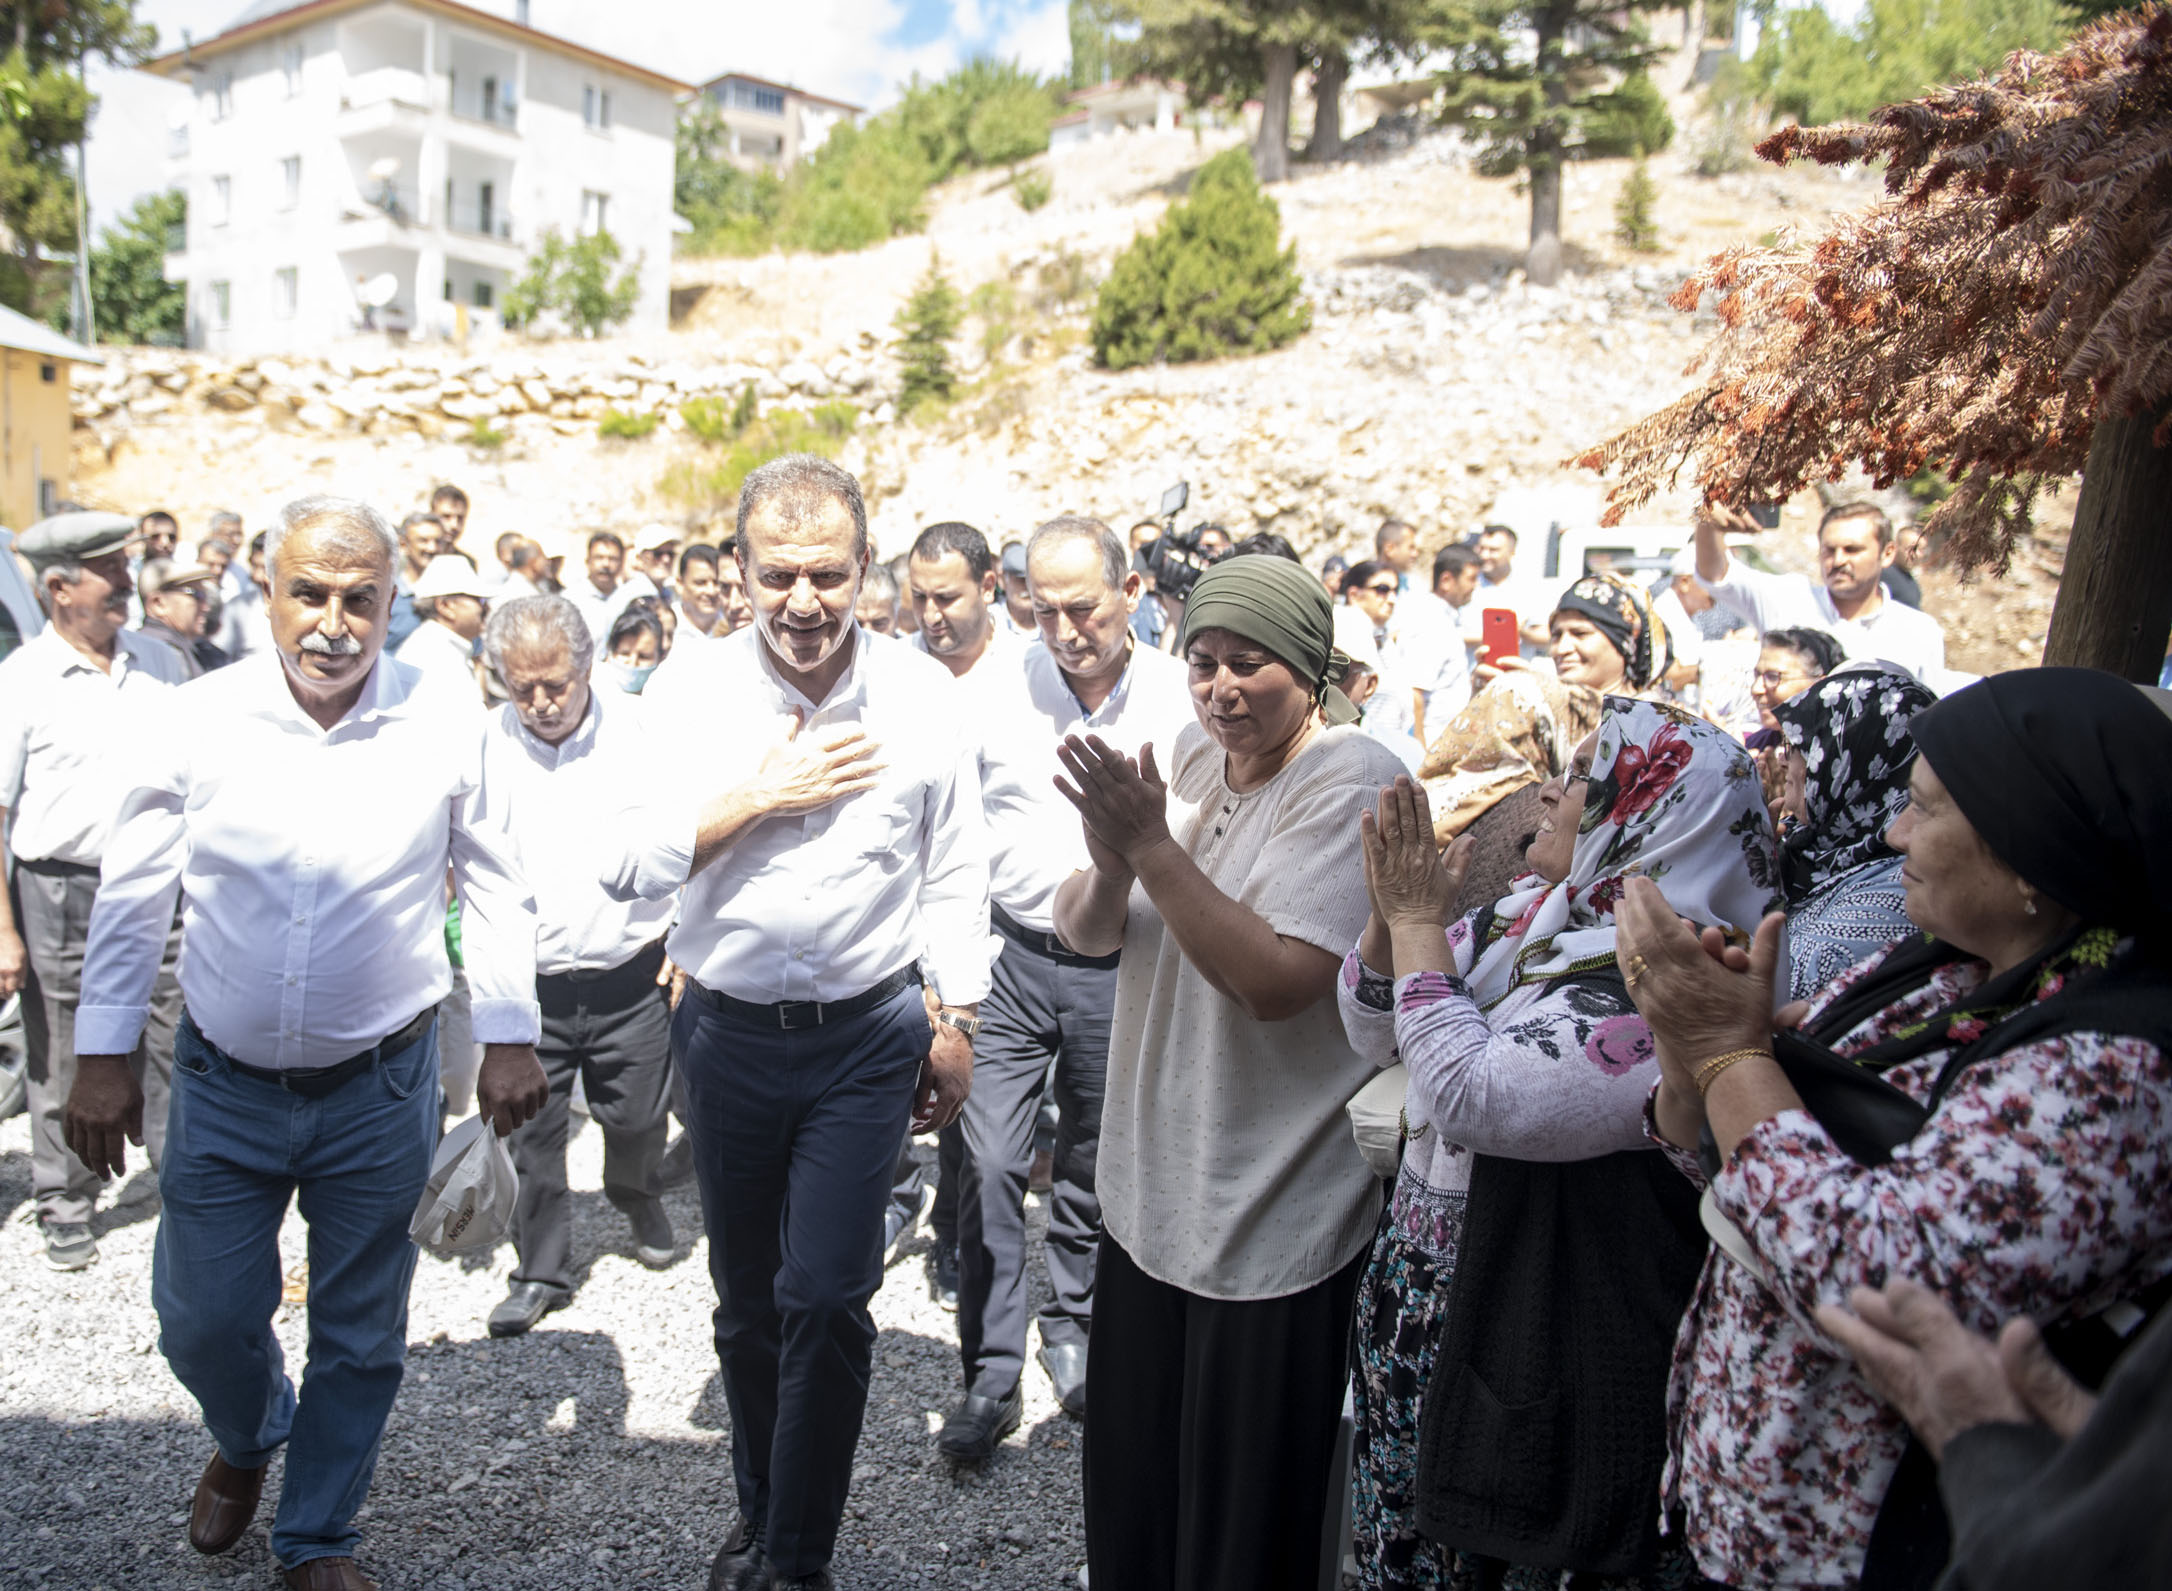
(1708, 1073)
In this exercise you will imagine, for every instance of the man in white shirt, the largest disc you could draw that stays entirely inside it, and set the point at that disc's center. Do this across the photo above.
(442, 649)
(700, 597)
(1017, 614)
(1855, 544)
(1501, 586)
(449, 507)
(605, 594)
(820, 889)
(73, 700)
(878, 601)
(1086, 675)
(304, 808)
(422, 538)
(558, 756)
(1395, 544)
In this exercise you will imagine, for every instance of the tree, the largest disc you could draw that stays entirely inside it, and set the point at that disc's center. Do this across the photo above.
(1093, 42)
(1009, 127)
(1542, 82)
(730, 210)
(2004, 317)
(1817, 71)
(573, 278)
(1634, 223)
(129, 292)
(926, 323)
(1212, 279)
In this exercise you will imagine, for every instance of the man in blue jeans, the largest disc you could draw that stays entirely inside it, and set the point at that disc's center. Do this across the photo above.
(844, 865)
(304, 806)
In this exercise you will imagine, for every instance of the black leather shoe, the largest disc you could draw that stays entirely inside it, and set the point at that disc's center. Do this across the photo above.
(526, 1304)
(740, 1564)
(677, 1166)
(970, 1435)
(655, 1244)
(820, 1580)
(943, 1275)
(1065, 1363)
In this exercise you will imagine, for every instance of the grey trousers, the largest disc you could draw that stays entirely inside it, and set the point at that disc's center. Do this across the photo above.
(612, 1030)
(56, 906)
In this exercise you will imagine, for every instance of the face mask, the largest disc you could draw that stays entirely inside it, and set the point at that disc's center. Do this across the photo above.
(630, 676)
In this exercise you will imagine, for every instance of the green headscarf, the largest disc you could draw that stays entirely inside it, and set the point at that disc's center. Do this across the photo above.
(1277, 604)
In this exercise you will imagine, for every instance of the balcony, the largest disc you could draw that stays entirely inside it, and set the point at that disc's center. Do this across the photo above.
(384, 98)
(385, 215)
(474, 220)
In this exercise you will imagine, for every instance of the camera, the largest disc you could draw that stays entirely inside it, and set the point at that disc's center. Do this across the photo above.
(1175, 558)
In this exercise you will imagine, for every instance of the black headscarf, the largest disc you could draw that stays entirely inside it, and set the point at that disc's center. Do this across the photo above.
(1623, 614)
(1280, 606)
(1852, 730)
(2067, 775)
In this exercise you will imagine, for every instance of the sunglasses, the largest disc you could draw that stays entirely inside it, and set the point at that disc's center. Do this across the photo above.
(1382, 591)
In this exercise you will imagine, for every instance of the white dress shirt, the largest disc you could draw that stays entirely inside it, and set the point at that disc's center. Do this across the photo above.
(999, 661)
(311, 869)
(552, 797)
(444, 660)
(1036, 837)
(1891, 632)
(1531, 605)
(599, 611)
(826, 904)
(66, 726)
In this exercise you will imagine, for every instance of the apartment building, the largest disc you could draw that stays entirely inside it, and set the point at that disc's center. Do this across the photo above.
(387, 165)
(774, 124)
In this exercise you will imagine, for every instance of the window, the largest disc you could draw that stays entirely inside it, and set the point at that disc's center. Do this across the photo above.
(484, 206)
(290, 61)
(222, 200)
(767, 101)
(290, 182)
(48, 496)
(595, 107)
(482, 295)
(48, 372)
(222, 304)
(222, 96)
(595, 212)
(286, 291)
(490, 99)
(448, 290)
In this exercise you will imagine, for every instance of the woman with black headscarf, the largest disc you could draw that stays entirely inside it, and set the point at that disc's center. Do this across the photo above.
(1983, 1109)
(1848, 756)
(1236, 1209)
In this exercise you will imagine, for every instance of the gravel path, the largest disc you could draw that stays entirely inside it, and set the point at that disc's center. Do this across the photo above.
(591, 1453)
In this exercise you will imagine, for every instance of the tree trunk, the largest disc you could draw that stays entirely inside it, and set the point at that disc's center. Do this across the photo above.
(1543, 152)
(1693, 29)
(2115, 598)
(1271, 152)
(1327, 85)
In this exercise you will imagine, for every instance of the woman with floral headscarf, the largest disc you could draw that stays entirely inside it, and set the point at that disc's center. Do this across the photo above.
(1527, 1280)
(1848, 756)
(1518, 730)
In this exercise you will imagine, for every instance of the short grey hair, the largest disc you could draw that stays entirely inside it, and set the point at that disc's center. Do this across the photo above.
(880, 584)
(419, 518)
(538, 621)
(353, 525)
(798, 483)
(1115, 555)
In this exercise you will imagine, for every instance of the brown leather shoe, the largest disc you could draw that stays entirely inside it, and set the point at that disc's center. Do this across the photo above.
(225, 1504)
(329, 1574)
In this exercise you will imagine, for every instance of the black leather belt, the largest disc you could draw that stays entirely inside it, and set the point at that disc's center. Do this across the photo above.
(789, 1014)
(314, 1082)
(631, 978)
(52, 869)
(1045, 944)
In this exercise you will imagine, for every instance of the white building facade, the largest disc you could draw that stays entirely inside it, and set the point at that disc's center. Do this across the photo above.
(388, 165)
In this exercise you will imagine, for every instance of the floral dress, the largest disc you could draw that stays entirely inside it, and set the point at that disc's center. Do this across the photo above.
(2042, 1185)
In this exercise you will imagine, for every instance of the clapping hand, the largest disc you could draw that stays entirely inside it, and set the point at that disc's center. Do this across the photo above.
(1702, 996)
(1406, 876)
(1124, 804)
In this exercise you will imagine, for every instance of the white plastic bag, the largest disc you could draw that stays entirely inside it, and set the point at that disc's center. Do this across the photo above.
(468, 1202)
(1376, 1120)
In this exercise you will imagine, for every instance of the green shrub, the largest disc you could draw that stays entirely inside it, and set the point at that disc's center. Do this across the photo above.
(627, 427)
(712, 487)
(1032, 189)
(731, 211)
(1009, 126)
(481, 433)
(1209, 280)
(865, 184)
(995, 306)
(1816, 70)
(1633, 222)
(711, 421)
(744, 411)
(574, 278)
(1632, 120)
(1065, 280)
(925, 326)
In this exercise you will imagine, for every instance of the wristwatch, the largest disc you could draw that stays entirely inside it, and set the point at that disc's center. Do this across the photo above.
(968, 1025)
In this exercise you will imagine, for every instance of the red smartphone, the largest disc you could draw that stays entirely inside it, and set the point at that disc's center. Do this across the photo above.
(1499, 638)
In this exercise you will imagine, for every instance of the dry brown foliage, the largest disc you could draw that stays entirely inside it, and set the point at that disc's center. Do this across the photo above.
(2015, 284)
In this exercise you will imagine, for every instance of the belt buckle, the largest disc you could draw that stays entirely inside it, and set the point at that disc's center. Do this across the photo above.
(786, 1007)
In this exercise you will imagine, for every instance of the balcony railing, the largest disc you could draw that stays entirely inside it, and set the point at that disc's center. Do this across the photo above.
(490, 113)
(177, 239)
(382, 85)
(401, 206)
(479, 221)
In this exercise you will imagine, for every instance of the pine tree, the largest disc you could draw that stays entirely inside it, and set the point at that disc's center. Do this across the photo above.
(2004, 317)
(925, 326)
(1633, 222)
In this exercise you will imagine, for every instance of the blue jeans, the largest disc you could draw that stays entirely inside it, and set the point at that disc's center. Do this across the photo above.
(795, 1145)
(237, 1149)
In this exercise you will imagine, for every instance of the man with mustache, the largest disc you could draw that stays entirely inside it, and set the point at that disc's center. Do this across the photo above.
(1087, 675)
(71, 700)
(304, 807)
(843, 866)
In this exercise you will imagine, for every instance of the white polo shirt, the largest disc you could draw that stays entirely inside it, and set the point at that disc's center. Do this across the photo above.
(1890, 632)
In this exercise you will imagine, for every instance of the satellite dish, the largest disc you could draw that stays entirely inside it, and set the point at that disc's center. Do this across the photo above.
(386, 169)
(379, 291)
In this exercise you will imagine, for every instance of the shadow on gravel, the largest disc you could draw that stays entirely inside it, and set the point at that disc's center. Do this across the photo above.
(14, 1183)
(1455, 266)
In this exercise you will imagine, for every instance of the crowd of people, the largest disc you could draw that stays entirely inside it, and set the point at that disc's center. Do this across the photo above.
(1617, 1053)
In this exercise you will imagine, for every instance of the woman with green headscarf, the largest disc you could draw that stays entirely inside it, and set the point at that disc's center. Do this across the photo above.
(1237, 1212)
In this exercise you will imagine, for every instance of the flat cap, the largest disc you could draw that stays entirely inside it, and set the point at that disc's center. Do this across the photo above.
(71, 537)
(159, 573)
(1014, 558)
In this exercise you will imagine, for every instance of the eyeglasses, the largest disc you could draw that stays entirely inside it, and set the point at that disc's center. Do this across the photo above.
(1774, 676)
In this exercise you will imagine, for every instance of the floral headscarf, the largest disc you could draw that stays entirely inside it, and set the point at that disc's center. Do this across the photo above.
(1623, 612)
(1671, 798)
(1851, 728)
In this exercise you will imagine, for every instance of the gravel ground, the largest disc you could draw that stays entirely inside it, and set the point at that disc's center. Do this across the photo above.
(592, 1452)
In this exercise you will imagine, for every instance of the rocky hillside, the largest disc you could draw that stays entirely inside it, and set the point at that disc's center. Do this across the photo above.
(1433, 381)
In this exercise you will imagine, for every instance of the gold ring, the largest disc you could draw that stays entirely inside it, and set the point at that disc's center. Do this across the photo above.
(1633, 969)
